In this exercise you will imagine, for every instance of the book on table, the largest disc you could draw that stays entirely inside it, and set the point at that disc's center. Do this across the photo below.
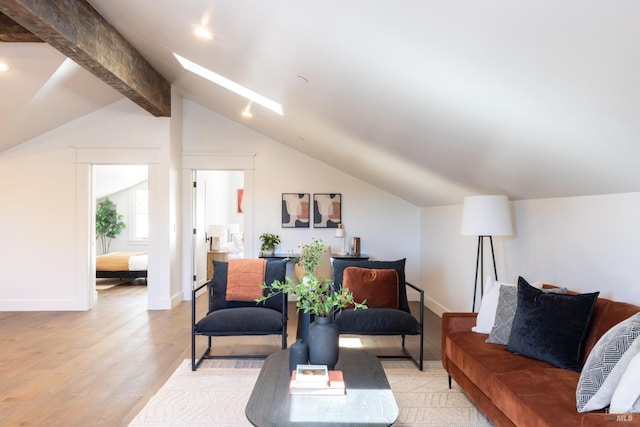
(333, 386)
(312, 375)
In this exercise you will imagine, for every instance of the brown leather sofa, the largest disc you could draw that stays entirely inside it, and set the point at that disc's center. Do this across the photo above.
(514, 390)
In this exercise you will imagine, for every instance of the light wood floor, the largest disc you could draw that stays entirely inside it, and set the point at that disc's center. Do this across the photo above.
(99, 368)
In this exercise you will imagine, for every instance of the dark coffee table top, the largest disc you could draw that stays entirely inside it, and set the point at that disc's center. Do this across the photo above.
(368, 401)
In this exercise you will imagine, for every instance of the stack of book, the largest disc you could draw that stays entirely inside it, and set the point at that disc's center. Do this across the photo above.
(316, 380)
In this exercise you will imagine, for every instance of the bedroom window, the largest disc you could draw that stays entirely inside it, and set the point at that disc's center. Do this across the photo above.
(139, 216)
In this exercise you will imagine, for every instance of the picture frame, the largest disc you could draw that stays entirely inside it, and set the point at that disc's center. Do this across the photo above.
(327, 210)
(240, 200)
(296, 209)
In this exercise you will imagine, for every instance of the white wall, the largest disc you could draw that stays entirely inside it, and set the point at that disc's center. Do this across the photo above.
(221, 194)
(170, 291)
(37, 264)
(125, 241)
(46, 214)
(46, 194)
(586, 243)
(386, 224)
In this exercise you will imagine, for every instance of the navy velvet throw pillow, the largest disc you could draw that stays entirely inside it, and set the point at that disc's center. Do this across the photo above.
(551, 327)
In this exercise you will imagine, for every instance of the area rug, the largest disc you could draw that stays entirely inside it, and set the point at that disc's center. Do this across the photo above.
(217, 393)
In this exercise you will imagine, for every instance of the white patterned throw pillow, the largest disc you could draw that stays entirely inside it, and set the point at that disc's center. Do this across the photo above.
(607, 363)
(506, 311)
(489, 305)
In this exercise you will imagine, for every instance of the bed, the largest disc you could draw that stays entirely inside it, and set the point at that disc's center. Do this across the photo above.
(122, 265)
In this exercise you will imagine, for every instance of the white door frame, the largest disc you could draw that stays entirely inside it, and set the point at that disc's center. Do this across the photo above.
(85, 204)
(207, 161)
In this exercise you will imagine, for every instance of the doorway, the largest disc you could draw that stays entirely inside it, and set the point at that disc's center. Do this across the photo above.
(121, 194)
(192, 164)
(219, 219)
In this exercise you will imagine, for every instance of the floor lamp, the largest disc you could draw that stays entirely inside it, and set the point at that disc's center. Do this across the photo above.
(485, 216)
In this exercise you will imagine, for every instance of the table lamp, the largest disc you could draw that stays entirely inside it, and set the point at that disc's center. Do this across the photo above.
(340, 234)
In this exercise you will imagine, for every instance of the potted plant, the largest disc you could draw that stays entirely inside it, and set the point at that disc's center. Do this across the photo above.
(108, 223)
(269, 242)
(319, 298)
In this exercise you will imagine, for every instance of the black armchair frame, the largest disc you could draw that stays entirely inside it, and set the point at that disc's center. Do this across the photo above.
(418, 361)
(410, 329)
(195, 363)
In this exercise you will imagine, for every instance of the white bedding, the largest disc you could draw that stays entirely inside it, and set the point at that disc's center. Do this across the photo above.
(138, 262)
(235, 247)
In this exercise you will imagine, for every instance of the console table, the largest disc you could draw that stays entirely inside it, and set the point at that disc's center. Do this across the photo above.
(368, 400)
(334, 256)
(215, 256)
(363, 257)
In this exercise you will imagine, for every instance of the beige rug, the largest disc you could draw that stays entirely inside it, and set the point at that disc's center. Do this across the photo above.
(217, 393)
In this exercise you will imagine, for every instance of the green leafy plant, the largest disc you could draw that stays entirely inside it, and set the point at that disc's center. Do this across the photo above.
(314, 295)
(269, 241)
(108, 223)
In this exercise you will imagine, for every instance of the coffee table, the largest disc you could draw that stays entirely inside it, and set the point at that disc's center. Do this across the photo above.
(368, 400)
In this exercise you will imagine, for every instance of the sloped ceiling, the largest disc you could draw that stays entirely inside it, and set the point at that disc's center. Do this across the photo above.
(110, 179)
(429, 100)
(43, 90)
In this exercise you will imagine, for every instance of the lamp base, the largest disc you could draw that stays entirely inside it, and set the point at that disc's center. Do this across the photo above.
(480, 267)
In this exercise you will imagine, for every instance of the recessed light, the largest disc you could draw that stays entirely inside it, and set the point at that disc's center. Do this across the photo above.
(4, 67)
(246, 113)
(202, 32)
(207, 74)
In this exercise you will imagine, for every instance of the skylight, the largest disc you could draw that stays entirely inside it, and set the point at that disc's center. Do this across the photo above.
(207, 74)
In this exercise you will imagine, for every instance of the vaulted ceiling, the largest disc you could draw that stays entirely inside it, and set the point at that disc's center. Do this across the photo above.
(429, 100)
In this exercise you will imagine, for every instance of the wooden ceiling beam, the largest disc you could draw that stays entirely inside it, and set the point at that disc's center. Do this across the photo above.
(77, 30)
(10, 31)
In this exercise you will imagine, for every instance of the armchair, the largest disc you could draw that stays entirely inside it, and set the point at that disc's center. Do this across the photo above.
(388, 312)
(238, 316)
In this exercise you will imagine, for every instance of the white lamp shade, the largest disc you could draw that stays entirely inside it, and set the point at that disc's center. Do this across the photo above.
(218, 230)
(486, 216)
(340, 233)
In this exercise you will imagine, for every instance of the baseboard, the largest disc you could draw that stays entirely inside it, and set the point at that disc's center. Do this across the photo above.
(41, 305)
(435, 306)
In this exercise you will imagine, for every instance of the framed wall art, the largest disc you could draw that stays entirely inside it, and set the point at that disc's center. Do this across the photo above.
(327, 210)
(295, 210)
(240, 200)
